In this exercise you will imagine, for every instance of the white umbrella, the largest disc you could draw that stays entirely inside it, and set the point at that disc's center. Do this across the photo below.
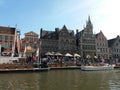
(95, 57)
(68, 54)
(58, 54)
(88, 56)
(76, 55)
(48, 53)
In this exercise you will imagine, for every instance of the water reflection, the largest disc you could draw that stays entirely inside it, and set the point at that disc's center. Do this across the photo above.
(61, 80)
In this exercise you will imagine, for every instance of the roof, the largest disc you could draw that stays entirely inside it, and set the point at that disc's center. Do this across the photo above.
(7, 30)
(49, 35)
(46, 34)
(100, 33)
(31, 33)
(111, 42)
(64, 28)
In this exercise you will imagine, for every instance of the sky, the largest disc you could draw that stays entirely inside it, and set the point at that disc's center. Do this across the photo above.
(32, 15)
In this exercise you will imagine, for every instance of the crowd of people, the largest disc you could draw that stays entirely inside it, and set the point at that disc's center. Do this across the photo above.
(63, 60)
(47, 60)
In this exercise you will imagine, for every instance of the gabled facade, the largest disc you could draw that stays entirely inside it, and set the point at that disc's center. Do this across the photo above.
(30, 39)
(60, 40)
(114, 47)
(66, 42)
(86, 40)
(102, 46)
(49, 40)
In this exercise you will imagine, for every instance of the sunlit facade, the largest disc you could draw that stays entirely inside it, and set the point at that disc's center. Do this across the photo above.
(7, 38)
(31, 39)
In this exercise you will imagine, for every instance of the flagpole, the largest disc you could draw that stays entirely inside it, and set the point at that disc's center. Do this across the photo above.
(40, 53)
(14, 42)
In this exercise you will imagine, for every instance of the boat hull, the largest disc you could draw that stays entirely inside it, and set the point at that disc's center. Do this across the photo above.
(96, 68)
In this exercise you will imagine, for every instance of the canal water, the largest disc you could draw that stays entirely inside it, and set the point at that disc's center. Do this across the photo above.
(61, 80)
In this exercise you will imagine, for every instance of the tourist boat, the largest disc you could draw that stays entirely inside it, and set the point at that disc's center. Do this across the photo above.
(97, 68)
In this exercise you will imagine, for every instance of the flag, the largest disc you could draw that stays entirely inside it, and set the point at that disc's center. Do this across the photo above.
(24, 52)
(37, 53)
(14, 42)
(18, 43)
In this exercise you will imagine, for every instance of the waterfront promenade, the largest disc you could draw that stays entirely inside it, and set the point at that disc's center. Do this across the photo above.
(7, 65)
(7, 59)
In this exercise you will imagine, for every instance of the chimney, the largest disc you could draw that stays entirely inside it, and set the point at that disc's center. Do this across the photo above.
(77, 31)
(57, 30)
(41, 32)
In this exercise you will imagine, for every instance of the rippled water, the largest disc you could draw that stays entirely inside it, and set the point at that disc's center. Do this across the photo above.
(61, 80)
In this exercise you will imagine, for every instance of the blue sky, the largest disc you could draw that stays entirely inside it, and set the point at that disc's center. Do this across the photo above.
(31, 15)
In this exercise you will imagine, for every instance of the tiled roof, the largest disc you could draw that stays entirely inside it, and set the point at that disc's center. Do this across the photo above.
(49, 35)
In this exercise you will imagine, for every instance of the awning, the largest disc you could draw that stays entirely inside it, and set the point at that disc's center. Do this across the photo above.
(29, 49)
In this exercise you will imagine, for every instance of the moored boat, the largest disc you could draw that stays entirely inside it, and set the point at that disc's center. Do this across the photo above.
(97, 68)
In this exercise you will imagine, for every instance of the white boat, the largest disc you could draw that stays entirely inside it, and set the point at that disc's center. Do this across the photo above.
(97, 68)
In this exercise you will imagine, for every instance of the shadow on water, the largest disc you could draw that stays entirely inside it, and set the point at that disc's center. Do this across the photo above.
(61, 80)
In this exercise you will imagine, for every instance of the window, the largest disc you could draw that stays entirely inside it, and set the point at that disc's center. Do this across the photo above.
(11, 37)
(26, 38)
(5, 45)
(35, 46)
(10, 45)
(67, 42)
(6, 37)
(23, 46)
(0, 37)
(31, 39)
(35, 39)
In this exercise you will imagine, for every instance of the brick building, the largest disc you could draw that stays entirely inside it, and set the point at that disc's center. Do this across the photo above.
(31, 39)
(60, 40)
(102, 45)
(8, 38)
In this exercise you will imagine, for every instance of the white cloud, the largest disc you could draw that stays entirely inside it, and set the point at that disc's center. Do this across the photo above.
(107, 18)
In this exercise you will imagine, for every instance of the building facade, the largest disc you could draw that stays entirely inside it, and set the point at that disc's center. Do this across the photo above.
(60, 40)
(49, 41)
(66, 42)
(86, 40)
(31, 39)
(102, 46)
(8, 39)
(114, 47)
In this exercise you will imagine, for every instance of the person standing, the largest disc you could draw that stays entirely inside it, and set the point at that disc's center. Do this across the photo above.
(33, 58)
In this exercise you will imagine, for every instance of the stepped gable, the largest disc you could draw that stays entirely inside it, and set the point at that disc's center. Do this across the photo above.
(64, 28)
